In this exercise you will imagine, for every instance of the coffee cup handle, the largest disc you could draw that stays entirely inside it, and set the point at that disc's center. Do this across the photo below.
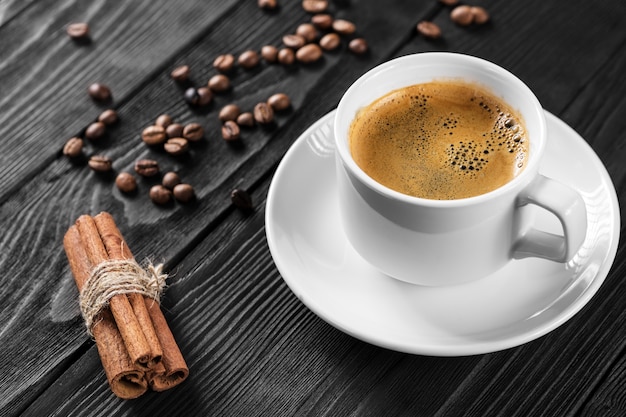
(568, 206)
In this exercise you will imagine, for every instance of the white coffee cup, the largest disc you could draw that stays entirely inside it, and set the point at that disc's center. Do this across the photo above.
(446, 242)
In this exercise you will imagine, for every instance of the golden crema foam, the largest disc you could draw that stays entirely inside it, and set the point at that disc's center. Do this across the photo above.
(440, 140)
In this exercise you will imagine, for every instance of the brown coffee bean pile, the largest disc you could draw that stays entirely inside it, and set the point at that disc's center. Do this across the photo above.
(462, 15)
(73, 148)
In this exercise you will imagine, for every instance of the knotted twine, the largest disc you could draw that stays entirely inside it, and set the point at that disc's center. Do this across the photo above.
(115, 277)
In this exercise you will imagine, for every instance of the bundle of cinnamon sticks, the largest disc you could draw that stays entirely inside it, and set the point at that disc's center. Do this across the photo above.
(134, 341)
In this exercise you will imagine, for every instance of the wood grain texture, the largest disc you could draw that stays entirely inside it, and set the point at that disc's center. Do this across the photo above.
(252, 347)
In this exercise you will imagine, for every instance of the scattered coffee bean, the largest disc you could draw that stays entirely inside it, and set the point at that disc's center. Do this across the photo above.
(193, 132)
(309, 53)
(315, 6)
(153, 135)
(147, 167)
(191, 96)
(126, 182)
(180, 74)
(176, 146)
(230, 130)
(95, 131)
(449, 2)
(267, 4)
(184, 193)
(307, 31)
(241, 199)
(205, 96)
(164, 120)
(73, 147)
(481, 16)
(100, 163)
(219, 83)
(224, 63)
(78, 31)
(322, 21)
(343, 27)
(229, 112)
(330, 41)
(108, 117)
(263, 113)
(462, 15)
(248, 59)
(358, 46)
(286, 56)
(294, 41)
(160, 195)
(99, 92)
(279, 102)
(269, 53)
(429, 30)
(245, 119)
(175, 130)
(170, 180)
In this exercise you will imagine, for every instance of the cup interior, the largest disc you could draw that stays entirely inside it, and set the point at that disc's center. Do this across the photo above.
(431, 66)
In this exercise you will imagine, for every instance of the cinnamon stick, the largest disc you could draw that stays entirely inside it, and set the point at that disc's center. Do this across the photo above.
(127, 323)
(125, 380)
(117, 249)
(173, 369)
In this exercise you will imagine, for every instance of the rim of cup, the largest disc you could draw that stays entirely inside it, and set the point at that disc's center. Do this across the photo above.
(440, 59)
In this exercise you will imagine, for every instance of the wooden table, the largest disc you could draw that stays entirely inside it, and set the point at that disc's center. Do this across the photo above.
(252, 347)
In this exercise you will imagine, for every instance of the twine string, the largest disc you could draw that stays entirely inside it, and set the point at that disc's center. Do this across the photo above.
(115, 277)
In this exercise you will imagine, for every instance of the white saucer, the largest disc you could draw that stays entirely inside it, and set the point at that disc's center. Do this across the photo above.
(523, 301)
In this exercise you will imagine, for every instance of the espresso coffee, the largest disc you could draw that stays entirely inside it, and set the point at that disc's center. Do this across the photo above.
(441, 140)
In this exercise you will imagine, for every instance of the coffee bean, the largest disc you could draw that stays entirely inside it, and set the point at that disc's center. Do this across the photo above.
(176, 146)
(108, 117)
(481, 16)
(269, 53)
(73, 147)
(245, 119)
(248, 59)
(205, 96)
(78, 31)
(263, 113)
(146, 167)
(160, 195)
(286, 56)
(429, 30)
(95, 131)
(294, 41)
(322, 21)
(180, 74)
(358, 46)
(241, 199)
(191, 96)
(307, 31)
(230, 130)
(164, 120)
(175, 130)
(126, 182)
(184, 193)
(170, 180)
(219, 83)
(315, 6)
(309, 53)
(267, 4)
(279, 101)
(153, 135)
(229, 112)
(462, 15)
(100, 163)
(330, 41)
(193, 132)
(224, 63)
(449, 2)
(99, 92)
(343, 27)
